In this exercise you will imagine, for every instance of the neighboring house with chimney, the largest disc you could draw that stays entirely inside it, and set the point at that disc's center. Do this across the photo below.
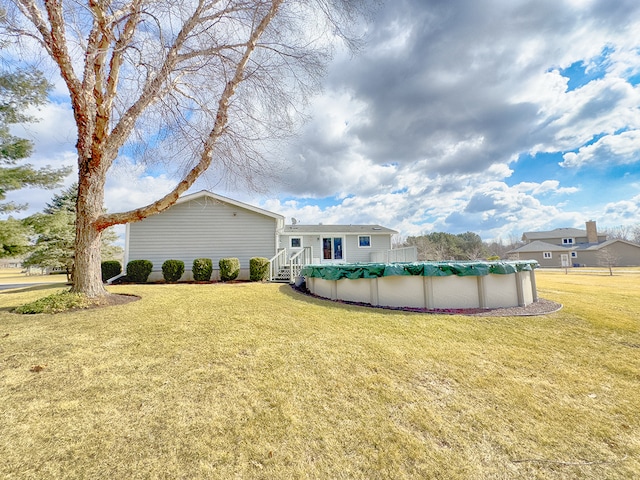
(573, 247)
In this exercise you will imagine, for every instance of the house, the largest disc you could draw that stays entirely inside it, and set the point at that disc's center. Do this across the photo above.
(338, 243)
(567, 237)
(203, 225)
(572, 247)
(207, 225)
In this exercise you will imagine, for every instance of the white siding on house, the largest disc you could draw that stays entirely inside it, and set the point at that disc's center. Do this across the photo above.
(202, 228)
(352, 253)
(358, 254)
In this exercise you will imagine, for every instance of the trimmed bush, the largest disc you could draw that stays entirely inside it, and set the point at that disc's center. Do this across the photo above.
(258, 269)
(138, 271)
(172, 270)
(202, 269)
(229, 269)
(110, 268)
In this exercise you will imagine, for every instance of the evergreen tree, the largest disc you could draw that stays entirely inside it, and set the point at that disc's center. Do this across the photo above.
(14, 238)
(55, 230)
(19, 91)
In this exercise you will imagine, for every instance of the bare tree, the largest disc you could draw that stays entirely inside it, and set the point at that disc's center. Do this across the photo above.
(621, 232)
(608, 258)
(209, 81)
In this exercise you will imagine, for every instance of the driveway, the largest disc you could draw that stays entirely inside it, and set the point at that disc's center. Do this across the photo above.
(8, 286)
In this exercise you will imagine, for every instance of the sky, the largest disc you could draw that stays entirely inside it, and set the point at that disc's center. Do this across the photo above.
(496, 117)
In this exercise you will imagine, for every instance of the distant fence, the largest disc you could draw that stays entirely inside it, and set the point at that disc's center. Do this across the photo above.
(405, 254)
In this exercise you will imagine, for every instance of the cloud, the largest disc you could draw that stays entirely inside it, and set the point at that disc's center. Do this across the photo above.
(611, 149)
(422, 129)
(130, 186)
(621, 212)
(548, 186)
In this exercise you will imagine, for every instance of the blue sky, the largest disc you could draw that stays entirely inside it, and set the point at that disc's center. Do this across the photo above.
(496, 117)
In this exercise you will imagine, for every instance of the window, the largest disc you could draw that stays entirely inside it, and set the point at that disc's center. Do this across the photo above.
(332, 248)
(567, 241)
(364, 241)
(295, 242)
(546, 255)
(574, 254)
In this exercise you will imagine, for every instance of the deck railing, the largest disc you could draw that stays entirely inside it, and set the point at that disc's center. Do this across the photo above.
(283, 268)
(404, 254)
(299, 260)
(276, 263)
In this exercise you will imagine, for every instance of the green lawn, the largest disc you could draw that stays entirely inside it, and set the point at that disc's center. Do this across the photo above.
(258, 381)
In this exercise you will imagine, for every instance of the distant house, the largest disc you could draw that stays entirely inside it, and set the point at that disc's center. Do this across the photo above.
(11, 262)
(572, 247)
(207, 225)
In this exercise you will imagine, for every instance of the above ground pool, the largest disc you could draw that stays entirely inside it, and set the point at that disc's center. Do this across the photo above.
(428, 285)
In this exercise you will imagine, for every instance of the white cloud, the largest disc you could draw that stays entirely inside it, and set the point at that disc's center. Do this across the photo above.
(130, 186)
(612, 149)
(421, 131)
(548, 186)
(619, 213)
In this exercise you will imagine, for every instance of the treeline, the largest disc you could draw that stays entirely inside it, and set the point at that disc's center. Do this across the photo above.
(441, 246)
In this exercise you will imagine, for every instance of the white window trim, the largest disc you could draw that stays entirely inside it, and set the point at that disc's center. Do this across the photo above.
(366, 246)
(574, 254)
(291, 239)
(547, 255)
(568, 241)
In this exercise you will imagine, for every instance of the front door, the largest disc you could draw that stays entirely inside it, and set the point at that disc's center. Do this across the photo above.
(332, 249)
(564, 259)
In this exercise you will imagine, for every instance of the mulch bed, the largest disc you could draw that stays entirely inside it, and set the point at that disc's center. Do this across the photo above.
(114, 299)
(540, 307)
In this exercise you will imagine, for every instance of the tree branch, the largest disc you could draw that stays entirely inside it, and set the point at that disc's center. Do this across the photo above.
(206, 157)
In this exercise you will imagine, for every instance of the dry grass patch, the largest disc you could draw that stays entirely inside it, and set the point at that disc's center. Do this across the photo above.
(258, 381)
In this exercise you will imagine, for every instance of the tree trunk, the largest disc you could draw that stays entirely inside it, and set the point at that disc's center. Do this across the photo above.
(87, 278)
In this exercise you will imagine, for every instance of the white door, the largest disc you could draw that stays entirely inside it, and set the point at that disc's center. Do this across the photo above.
(564, 259)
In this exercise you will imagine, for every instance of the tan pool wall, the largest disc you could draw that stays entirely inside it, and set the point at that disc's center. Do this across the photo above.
(488, 291)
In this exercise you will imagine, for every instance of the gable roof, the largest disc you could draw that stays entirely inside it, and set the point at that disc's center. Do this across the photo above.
(539, 246)
(230, 201)
(555, 233)
(340, 229)
(599, 246)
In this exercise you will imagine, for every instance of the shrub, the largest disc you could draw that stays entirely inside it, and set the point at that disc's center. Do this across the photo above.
(138, 271)
(172, 270)
(202, 269)
(58, 302)
(110, 268)
(258, 269)
(229, 269)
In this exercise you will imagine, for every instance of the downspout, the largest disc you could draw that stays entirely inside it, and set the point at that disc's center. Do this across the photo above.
(125, 259)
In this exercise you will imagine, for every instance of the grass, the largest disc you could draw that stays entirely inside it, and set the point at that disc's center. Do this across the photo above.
(258, 381)
(15, 275)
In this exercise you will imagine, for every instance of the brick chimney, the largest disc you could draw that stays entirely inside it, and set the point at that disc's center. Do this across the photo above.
(592, 232)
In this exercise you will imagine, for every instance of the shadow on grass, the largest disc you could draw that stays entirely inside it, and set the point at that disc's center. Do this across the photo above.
(34, 288)
(301, 296)
(541, 307)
